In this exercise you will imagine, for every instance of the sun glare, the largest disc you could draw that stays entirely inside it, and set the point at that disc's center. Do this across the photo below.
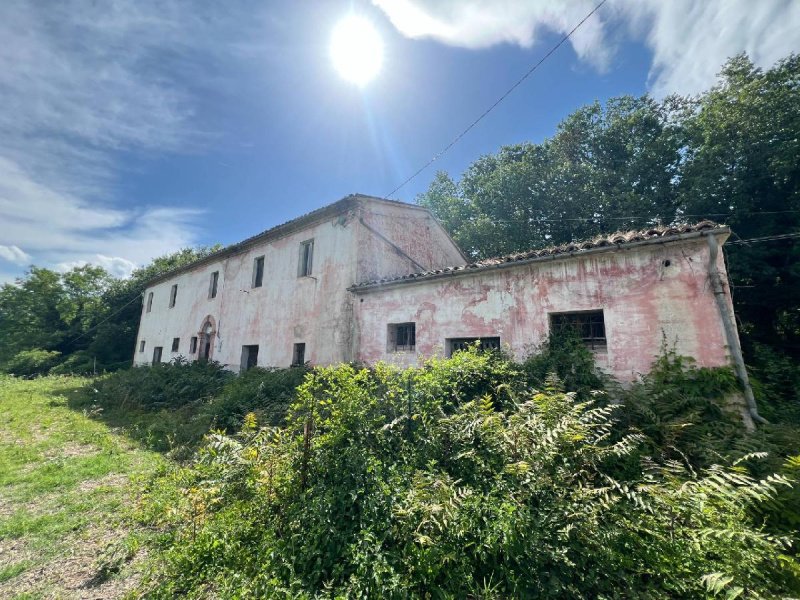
(356, 50)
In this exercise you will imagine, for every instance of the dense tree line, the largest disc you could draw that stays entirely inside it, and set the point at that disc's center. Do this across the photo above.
(77, 321)
(729, 155)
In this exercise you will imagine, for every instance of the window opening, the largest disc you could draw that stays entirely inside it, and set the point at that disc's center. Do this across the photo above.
(258, 272)
(141, 346)
(157, 355)
(193, 345)
(588, 325)
(306, 258)
(149, 301)
(212, 286)
(173, 295)
(402, 337)
(484, 343)
(249, 357)
(299, 355)
(176, 342)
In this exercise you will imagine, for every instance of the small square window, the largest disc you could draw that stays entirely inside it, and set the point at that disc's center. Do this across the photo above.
(299, 355)
(249, 357)
(149, 301)
(173, 295)
(258, 272)
(176, 342)
(141, 346)
(588, 325)
(157, 355)
(402, 337)
(212, 285)
(193, 345)
(306, 258)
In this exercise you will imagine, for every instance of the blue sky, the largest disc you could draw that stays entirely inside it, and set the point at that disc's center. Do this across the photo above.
(131, 128)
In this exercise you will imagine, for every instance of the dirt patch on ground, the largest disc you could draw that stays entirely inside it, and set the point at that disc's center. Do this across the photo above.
(71, 450)
(77, 572)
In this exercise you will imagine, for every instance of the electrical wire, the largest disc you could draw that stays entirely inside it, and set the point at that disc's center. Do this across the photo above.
(108, 318)
(498, 101)
(767, 238)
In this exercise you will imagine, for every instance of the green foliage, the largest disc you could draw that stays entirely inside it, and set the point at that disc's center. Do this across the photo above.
(434, 482)
(687, 413)
(566, 356)
(31, 362)
(162, 386)
(84, 314)
(265, 392)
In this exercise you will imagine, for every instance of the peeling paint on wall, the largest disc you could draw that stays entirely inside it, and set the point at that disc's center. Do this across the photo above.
(649, 293)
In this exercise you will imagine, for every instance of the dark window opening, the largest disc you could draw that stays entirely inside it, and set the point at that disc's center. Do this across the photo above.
(149, 301)
(192, 345)
(299, 355)
(402, 337)
(249, 357)
(306, 258)
(258, 272)
(588, 325)
(173, 295)
(141, 346)
(484, 343)
(212, 288)
(157, 355)
(176, 342)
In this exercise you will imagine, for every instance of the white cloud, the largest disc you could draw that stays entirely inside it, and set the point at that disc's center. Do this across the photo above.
(14, 254)
(690, 39)
(483, 23)
(81, 83)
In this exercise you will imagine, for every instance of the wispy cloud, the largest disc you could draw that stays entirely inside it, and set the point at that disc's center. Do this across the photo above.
(14, 255)
(81, 83)
(484, 23)
(690, 39)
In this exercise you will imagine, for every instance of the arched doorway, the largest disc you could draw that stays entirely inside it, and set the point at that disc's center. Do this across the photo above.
(206, 339)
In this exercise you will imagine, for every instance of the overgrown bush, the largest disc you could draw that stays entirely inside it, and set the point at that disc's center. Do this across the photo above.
(398, 484)
(265, 392)
(28, 363)
(686, 413)
(162, 386)
(566, 355)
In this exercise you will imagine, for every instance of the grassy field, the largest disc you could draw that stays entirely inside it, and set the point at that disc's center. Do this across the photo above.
(67, 483)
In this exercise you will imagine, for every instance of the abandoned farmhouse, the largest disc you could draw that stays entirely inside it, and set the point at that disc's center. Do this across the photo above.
(367, 279)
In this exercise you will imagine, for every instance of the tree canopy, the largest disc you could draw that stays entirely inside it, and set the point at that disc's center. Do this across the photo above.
(85, 315)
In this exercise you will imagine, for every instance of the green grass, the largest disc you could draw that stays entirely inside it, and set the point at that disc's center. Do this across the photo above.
(67, 485)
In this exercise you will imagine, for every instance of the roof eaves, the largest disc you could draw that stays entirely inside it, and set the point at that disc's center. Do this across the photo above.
(614, 242)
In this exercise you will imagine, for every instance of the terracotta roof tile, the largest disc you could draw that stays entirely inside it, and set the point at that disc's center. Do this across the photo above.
(620, 238)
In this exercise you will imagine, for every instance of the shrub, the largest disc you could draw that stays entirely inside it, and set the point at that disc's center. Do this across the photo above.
(163, 386)
(686, 412)
(265, 392)
(395, 484)
(32, 362)
(78, 363)
(565, 355)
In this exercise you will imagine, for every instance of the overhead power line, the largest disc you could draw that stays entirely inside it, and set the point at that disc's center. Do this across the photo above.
(768, 238)
(508, 92)
(108, 318)
(600, 219)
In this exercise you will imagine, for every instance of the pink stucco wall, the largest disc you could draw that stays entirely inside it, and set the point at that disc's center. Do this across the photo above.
(644, 303)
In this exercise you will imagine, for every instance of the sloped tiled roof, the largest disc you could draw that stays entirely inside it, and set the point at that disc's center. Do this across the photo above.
(612, 241)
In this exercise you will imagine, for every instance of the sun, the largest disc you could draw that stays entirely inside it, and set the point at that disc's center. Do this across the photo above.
(356, 50)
